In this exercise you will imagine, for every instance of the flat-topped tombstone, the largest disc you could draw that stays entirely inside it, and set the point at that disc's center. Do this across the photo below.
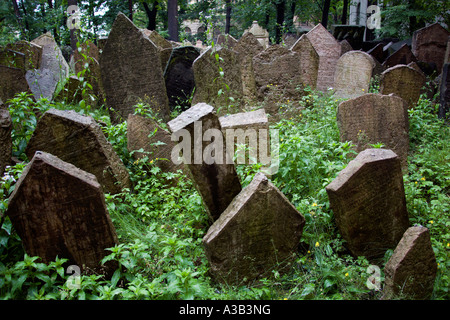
(79, 140)
(309, 61)
(179, 76)
(411, 270)
(53, 68)
(5, 140)
(216, 89)
(353, 74)
(368, 202)
(375, 118)
(12, 81)
(403, 55)
(258, 232)
(212, 171)
(404, 82)
(59, 210)
(131, 71)
(430, 43)
(329, 51)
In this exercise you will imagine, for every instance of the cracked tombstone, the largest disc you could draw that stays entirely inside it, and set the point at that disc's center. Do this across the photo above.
(59, 210)
(412, 268)
(79, 140)
(368, 202)
(211, 168)
(259, 232)
(131, 72)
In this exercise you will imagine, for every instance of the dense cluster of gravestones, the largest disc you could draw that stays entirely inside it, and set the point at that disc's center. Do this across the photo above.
(58, 206)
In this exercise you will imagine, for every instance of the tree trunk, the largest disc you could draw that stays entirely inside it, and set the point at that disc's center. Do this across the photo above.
(151, 15)
(280, 20)
(344, 12)
(326, 10)
(130, 9)
(228, 16)
(172, 11)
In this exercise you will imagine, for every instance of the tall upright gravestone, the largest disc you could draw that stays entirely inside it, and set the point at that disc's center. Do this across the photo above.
(309, 61)
(131, 71)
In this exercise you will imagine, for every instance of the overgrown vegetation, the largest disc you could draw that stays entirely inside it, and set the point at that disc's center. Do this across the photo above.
(161, 221)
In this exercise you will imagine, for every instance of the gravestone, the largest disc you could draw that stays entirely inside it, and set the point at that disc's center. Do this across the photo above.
(212, 170)
(164, 46)
(59, 210)
(444, 99)
(247, 47)
(53, 68)
(32, 52)
(5, 140)
(218, 80)
(404, 82)
(403, 55)
(430, 43)
(12, 81)
(278, 75)
(145, 133)
(368, 202)
(80, 141)
(12, 59)
(179, 76)
(131, 72)
(309, 61)
(378, 52)
(353, 74)
(411, 270)
(226, 40)
(258, 232)
(345, 47)
(87, 49)
(375, 118)
(261, 34)
(329, 51)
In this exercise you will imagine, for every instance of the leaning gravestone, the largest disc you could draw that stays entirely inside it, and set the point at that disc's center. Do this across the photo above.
(329, 51)
(163, 45)
(5, 140)
(131, 71)
(444, 101)
(12, 81)
(218, 80)
(59, 210)
(430, 43)
(375, 118)
(353, 74)
(212, 170)
(258, 232)
(179, 76)
(368, 202)
(53, 68)
(403, 55)
(309, 61)
(79, 140)
(411, 270)
(404, 82)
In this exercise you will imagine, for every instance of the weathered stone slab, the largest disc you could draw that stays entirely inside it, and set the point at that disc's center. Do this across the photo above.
(309, 61)
(345, 47)
(404, 82)
(329, 51)
(179, 76)
(378, 52)
(375, 118)
(59, 210)
(32, 52)
(403, 55)
(5, 140)
(430, 43)
(226, 40)
(258, 232)
(368, 202)
(411, 271)
(164, 46)
(12, 81)
(80, 141)
(261, 34)
(216, 89)
(131, 71)
(353, 74)
(212, 171)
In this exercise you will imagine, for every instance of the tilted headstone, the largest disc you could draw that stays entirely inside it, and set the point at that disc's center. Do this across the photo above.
(368, 202)
(179, 76)
(53, 68)
(376, 118)
(131, 72)
(345, 46)
(378, 52)
(79, 140)
(261, 34)
(403, 55)
(353, 74)
(212, 169)
(404, 82)
(32, 52)
(5, 140)
(411, 271)
(430, 43)
(309, 61)
(59, 210)
(329, 51)
(444, 100)
(12, 81)
(218, 80)
(258, 232)
(145, 133)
